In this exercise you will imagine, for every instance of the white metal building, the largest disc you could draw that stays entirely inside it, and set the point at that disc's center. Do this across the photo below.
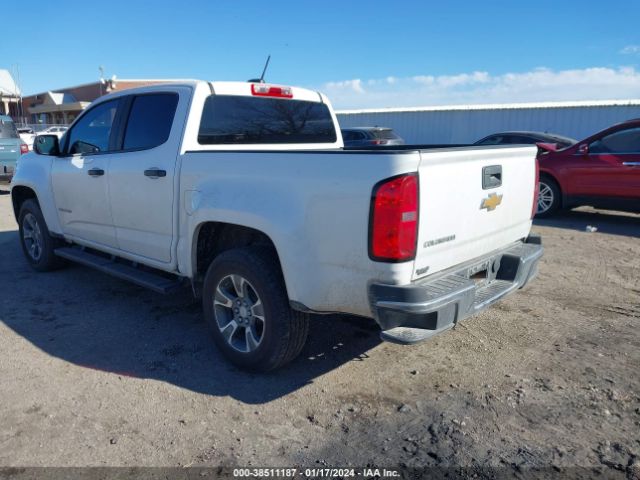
(9, 94)
(468, 123)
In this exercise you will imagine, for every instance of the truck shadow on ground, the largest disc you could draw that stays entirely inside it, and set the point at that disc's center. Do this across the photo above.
(614, 223)
(94, 321)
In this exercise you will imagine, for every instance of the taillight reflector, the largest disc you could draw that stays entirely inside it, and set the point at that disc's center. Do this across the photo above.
(264, 90)
(394, 219)
(536, 191)
(24, 148)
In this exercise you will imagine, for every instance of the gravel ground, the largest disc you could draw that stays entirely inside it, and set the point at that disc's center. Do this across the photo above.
(94, 371)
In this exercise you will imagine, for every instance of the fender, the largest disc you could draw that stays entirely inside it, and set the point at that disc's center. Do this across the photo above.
(34, 171)
(271, 210)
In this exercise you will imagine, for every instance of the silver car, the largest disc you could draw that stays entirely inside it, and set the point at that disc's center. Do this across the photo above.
(11, 147)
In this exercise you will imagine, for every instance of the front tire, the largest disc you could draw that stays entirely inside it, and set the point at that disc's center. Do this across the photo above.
(37, 243)
(247, 310)
(549, 197)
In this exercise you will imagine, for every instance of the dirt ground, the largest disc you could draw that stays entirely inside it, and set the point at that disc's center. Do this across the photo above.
(95, 371)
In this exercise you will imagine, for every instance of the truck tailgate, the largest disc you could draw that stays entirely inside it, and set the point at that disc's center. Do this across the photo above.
(472, 202)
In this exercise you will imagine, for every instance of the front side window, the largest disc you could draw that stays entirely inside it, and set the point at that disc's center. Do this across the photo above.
(230, 119)
(91, 134)
(623, 141)
(150, 120)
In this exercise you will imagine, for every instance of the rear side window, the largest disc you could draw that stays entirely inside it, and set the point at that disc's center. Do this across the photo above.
(8, 129)
(493, 140)
(347, 135)
(229, 119)
(517, 140)
(150, 120)
(385, 134)
(351, 135)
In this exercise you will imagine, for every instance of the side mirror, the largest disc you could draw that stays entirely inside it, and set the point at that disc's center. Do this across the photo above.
(47, 145)
(583, 149)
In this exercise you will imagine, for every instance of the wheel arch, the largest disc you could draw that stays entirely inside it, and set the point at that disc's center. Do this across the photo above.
(19, 195)
(212, 238)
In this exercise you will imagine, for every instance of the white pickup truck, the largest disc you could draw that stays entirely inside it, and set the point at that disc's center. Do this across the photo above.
(245, 192)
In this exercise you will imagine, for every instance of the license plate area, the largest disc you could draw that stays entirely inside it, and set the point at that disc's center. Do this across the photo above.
(485, 272)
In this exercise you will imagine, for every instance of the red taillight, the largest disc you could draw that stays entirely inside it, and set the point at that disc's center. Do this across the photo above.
(394, 219)
(378, 142)
(264, 90)
(536, 191)
(24, 148)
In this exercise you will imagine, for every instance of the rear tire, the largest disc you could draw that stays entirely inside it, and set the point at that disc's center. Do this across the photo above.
(549, 197)
(37, 243)
(247, 310)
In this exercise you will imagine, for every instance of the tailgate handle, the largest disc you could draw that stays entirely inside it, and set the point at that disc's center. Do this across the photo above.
(491, 177)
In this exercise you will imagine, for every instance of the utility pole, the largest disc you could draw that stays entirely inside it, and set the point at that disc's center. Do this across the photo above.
(20, 102)
(101, 68)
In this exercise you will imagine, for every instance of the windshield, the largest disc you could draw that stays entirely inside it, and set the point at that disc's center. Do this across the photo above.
(564, 142)
(8, 129)
(229, 119)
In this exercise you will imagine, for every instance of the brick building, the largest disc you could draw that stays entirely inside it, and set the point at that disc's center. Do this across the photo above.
(62, 106)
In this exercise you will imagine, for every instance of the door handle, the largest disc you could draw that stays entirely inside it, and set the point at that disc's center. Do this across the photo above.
(631, 164)
(96, 172)
(155, 173)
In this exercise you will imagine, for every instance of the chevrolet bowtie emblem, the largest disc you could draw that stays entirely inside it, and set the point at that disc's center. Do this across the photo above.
(491, 202)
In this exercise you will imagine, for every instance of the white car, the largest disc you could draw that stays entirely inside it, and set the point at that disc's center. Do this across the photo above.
(243, 191)
(27, 135)
(58, 131)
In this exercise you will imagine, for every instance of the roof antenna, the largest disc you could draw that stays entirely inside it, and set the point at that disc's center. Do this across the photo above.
(261, 79)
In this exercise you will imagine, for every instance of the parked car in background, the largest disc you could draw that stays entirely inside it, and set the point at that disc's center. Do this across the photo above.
(27, 135)
(368, 136)
(11, 147)
(57, 131)
(602, 171)
(525, 138)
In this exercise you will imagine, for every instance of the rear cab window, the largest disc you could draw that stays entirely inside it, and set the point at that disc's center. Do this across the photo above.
(8, 129)
(242, 120)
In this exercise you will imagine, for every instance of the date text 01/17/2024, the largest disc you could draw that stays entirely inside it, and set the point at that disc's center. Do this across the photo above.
(314, 473)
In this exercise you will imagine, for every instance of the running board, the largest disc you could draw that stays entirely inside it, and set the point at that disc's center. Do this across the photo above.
(124, 271)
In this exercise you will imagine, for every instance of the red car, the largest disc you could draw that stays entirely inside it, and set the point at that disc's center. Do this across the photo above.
(602, 171)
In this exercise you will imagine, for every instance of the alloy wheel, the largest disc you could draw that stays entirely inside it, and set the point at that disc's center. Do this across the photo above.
(32, 236)
(239, 313)
(545, 198)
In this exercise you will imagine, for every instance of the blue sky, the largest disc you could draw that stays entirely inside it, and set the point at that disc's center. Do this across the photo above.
(361, 53)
